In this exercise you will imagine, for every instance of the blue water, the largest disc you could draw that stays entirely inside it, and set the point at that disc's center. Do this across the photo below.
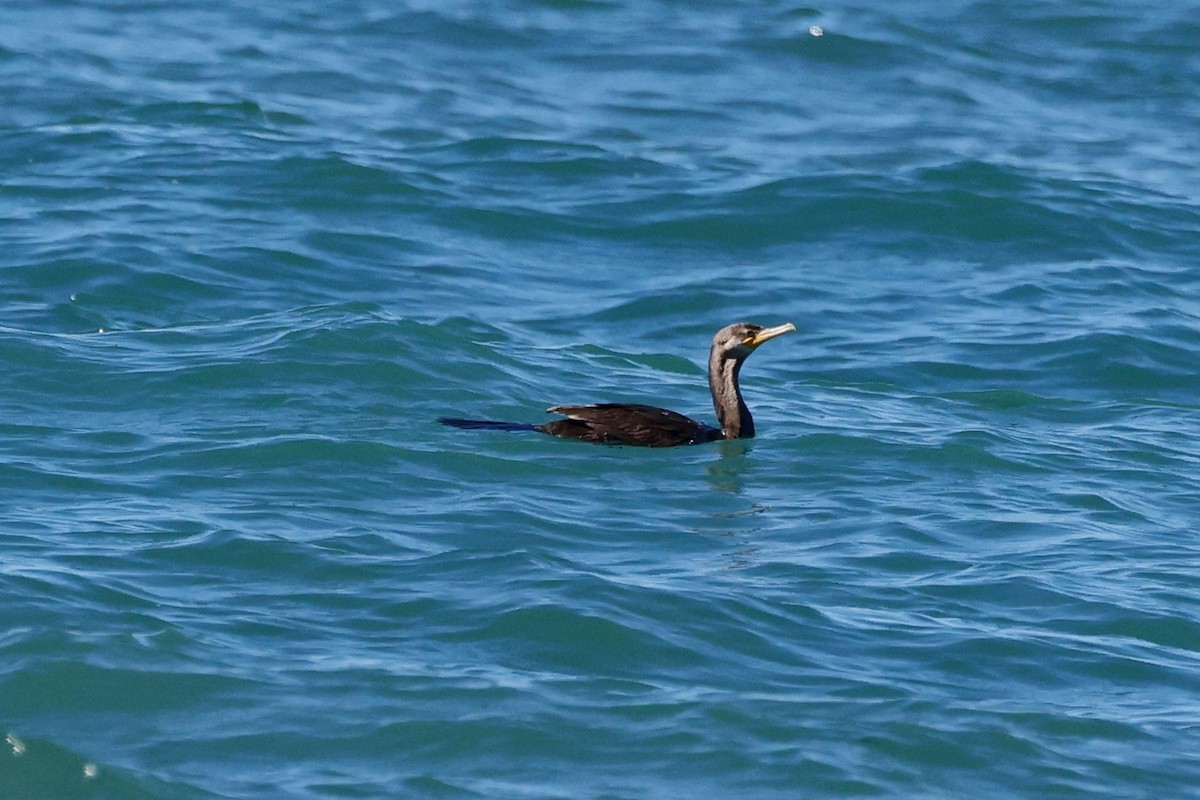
(250, 252)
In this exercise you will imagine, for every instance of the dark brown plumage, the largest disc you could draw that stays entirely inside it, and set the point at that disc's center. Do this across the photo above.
(647, 426)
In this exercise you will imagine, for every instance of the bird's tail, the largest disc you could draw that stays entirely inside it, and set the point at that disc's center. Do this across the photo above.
(486, 424)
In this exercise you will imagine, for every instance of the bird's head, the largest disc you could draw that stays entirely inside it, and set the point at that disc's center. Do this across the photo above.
(741, 338)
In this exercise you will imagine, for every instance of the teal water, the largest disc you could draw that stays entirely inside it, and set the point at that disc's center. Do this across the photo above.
(249, 253)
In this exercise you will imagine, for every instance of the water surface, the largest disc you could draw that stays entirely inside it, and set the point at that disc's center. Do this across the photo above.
(249, 254)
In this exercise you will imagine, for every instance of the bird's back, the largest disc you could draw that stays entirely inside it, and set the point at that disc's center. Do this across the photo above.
(628, 423)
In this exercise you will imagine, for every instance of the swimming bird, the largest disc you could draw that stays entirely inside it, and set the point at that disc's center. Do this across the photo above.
(648, 426)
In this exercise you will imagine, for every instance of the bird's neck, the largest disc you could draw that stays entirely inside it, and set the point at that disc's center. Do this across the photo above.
(732, 414)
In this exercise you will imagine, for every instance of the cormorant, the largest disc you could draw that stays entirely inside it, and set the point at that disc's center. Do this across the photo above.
(647, 426)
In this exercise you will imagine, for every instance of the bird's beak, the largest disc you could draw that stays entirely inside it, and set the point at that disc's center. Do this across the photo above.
(768, 333)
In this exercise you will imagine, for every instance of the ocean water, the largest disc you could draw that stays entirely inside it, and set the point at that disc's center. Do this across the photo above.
(250, 252)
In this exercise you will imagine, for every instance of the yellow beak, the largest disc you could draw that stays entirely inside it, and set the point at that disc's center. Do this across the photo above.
(768, 333)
